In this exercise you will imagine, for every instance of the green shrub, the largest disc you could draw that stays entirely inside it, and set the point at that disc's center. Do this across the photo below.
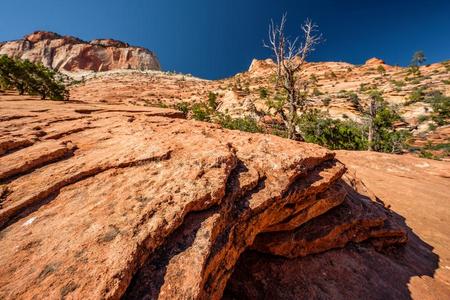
(431, 127)
(354, 100)
(212, 100)
(161, 104)
(365, 87)
(201, 112)
(326, 101)
(247, 124)
(381, 70)
(392, 141)
(386, 138)
(417, 95)
(263, 93)
(330, 75)
(277, 102)
(447, 65)
(342, 94)
(413, 70)
(398, 83)
(441, 107)
(183, 107)
(422, 118)
(426, 154)
(316, 92)
(278, 130)
(31, 78)
(335, 134)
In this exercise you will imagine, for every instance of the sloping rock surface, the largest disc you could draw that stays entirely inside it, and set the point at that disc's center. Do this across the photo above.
(67, 53)
(109, 201)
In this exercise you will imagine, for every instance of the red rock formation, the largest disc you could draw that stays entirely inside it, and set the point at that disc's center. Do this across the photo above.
(105, 201)
(416, 188)
(66, 53)
(374, 61)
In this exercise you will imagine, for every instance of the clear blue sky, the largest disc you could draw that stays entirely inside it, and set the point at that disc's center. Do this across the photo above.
(216, 39)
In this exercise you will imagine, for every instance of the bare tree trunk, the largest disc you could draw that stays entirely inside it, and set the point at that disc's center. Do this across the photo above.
(292, 100)
(372, 114)
(21, 89)
(276, 44)
(291, 122)
(290, 55)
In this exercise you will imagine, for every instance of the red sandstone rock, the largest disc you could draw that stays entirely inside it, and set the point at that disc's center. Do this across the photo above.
(374, 61)
(415, 188)
(106, 201)
(66, 53)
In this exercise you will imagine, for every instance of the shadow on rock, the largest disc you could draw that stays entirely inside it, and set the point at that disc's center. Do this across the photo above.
(146, 284)
(357, 271)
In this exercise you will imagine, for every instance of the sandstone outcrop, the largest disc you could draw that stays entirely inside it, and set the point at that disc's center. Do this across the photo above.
(110, 201)
(66, 53)
(374, 61)
(415, 189)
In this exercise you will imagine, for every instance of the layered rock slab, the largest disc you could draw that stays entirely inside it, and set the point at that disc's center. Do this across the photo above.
(355, 219)
(415, 188)
(139, 203)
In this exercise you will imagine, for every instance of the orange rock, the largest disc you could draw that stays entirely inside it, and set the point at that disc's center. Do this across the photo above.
(66, 53)
(374, 62)
(416, 190)
(112, 201)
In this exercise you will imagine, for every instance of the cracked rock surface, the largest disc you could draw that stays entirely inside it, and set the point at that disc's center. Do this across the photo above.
(108, 202)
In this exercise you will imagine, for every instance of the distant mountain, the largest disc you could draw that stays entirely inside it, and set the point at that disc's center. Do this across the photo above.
(71, 54)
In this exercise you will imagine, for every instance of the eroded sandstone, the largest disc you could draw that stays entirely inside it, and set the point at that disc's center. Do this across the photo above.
(110, 201)
(67, 53)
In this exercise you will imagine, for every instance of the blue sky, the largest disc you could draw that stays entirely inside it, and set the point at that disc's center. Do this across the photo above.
(216, 39)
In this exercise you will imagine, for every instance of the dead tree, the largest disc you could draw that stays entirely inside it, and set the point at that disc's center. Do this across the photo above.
(290, 57)
(276, 39)
(372, 112)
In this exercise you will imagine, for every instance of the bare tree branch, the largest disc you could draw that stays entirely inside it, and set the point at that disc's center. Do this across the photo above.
(290, 55)
(276, 42)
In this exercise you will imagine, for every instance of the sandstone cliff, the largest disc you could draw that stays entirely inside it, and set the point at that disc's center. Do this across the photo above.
(67, 53)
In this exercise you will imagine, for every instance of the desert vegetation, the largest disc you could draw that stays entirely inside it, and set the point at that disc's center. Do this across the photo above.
(377, 133)
(30, 78)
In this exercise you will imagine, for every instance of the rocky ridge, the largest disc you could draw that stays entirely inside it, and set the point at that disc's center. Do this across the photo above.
(70, 54)
(112, 201)
(240, 95)
(333, 79)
